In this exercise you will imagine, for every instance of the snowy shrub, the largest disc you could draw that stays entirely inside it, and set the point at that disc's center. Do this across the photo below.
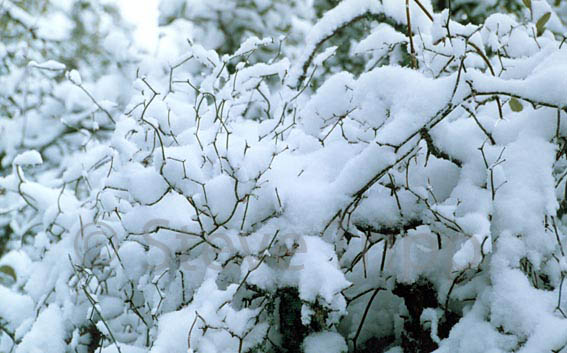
(252, 192)
(41, 109)
(224, 25)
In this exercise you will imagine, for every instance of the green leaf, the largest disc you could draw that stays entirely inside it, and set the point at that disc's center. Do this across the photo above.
(540, 24)
(528, 3)
(8, 270)
(515, 105)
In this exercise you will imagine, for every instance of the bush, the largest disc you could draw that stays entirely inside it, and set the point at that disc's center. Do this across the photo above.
(404, 191)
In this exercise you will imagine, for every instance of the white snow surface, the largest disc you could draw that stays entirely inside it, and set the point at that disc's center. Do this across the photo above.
(182, 200)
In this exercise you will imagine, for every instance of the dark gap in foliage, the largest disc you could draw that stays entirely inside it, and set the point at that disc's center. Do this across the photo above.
(292, 330)
(419, 296)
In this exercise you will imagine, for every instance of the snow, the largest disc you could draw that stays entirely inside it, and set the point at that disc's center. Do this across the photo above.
(397, 10)
(124, 348)
(320, 58)
(527, 195)
(473, 334)
(251, 44)
(539, 8)
(15, 307)
(546, 85)
(146, 185)
(56, 26)
(30, 157)
(411, 109)
(174, 327)
(330, 342)
(318, 271)
(133, 259)
(248, 77)
(172, 211)
(381, 38)
(19, 14)
(344, 12)
(526, 311)
(20, 262)
(319, 109)
(48, 65)
(47, 333)
(432, 317)
(220, 196)
(143, 14)
(75, 77)
(224, 192)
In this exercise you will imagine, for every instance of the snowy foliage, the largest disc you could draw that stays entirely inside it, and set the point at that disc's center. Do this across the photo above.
(240, 190)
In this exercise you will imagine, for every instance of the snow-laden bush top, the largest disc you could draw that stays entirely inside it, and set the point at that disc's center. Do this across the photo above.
(258, 198)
